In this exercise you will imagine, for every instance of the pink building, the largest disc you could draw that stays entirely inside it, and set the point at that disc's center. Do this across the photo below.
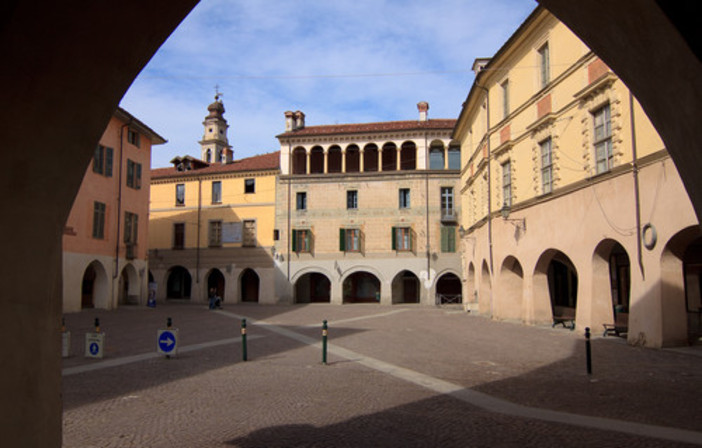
(105, 236)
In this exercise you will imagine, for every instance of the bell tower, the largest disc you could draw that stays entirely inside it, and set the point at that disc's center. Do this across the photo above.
(214, 146)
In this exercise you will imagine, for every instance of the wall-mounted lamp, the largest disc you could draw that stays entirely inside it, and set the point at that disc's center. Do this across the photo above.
(519, 223)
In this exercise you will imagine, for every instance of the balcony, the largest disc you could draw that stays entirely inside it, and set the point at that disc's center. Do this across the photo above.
(131, 251)
(449, 215)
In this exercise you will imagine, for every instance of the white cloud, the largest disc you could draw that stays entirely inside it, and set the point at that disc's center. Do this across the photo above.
(267, 57)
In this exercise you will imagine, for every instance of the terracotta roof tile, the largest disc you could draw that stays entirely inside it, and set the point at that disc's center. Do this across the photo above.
(270, 161)
(385, 126)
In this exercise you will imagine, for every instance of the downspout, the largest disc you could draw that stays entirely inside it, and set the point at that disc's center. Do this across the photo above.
(426, 183)
(197, 248)
(489, 184)
(637, 199)
(288, 235)
(115, 274)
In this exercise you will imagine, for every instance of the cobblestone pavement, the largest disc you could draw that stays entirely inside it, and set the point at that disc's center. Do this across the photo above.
(396, 376)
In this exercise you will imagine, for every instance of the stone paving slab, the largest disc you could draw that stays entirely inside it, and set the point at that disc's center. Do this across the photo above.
(283, 396)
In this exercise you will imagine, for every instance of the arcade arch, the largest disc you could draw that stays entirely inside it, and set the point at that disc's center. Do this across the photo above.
(179, 283)
(313, 287)
(511, 285)
(405, 288)
(449, 289)
(249, 286)
(95, 287)
(361, 287)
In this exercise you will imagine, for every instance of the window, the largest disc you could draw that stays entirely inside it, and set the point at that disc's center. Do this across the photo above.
(447, 201)
(505, 98)
(131, 227)
(98, 220)
(544, 65)
(507, 183)
(401, 238)
(133, 174)
(603, 139)
(352, 200)
(546, 166)
(301, 201)
(249, 237)
(180, 194)
(103, 160)
(215, 234)
(448, 239)
(404, 198)
(133, 137)
(454, 158)
(276, 235)
(249, 186)
(350, 240)
(302, 241)
(436, 158)
(216, 192)
(179, 235)
(208, 156)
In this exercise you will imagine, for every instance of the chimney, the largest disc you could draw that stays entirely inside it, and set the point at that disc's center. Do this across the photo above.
(299, 120)
(423, 108)
(289, 123)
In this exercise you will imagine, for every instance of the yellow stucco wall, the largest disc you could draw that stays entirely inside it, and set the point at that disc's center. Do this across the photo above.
(235, 206)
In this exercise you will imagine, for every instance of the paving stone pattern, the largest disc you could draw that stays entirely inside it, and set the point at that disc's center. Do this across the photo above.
(284, 397)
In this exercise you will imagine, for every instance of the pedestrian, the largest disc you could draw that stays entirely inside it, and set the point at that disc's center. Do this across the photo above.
(212, 295)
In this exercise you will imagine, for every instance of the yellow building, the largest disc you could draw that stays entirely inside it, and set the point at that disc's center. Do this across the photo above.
(211, 222)
(366, 212)
(572, 210)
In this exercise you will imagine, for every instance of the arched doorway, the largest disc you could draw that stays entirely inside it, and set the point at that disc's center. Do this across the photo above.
(611, 286)
(353, 159)
(370, 157)
(317, 160)
(485, 292)
(95, 291)
(249, 286)
(215, 279)
(87, 290)
(313, 288)
(128, 286)
(405, 288)
(449, 289)
(556, 283)
(334, 159)
(389, 157)
(179, 283)
(511, 286)
(361, 287)
(408, 156)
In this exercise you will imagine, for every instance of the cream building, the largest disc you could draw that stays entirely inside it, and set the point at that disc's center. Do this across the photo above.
(211, 222)
(571, 206)
(368, 212)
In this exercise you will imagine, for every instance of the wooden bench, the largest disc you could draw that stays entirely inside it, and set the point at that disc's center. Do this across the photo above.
(619, 327)
(565, 316)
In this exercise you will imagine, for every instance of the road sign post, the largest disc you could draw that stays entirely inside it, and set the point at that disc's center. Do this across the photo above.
(167, 342)
(94, 343)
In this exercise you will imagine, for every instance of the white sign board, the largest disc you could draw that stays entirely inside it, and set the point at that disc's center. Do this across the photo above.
(94, 343)
(167, 342)
(231, 232)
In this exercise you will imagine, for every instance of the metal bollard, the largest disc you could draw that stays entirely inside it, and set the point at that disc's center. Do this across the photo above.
(243, 339)
(97, 325)
(588, 352)
(169, 323)
(324, 342)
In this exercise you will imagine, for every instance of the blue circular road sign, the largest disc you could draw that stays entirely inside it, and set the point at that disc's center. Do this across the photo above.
(167, 341)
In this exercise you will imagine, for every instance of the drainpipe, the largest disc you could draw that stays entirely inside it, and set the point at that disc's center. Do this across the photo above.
(637, 200)
(115, 274)
(197, 249)
(489, 184)
(426, 183)
(288, 235)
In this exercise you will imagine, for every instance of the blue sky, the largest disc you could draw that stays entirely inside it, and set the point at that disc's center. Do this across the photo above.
(341, 61)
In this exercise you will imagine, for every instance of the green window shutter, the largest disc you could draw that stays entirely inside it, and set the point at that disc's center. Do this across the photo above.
(138, 176)
(97, 159)
(108, 162)
(308, 240)
(393, 238)
(444, 239)
(452, 239)
(294, 240)
(342, 240)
